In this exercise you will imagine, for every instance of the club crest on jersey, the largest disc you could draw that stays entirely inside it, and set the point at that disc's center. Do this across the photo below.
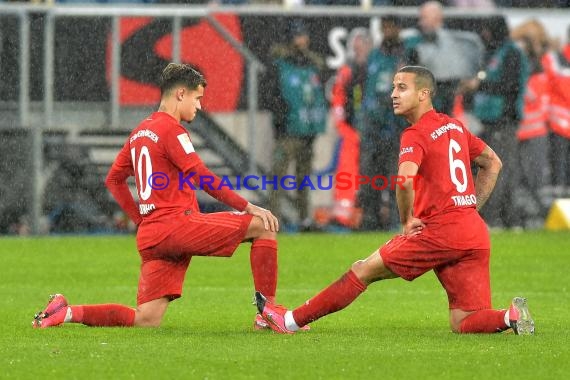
(186, 143)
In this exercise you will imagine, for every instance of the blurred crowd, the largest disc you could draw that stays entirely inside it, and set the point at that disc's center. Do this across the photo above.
(507, 86)
(448, 3)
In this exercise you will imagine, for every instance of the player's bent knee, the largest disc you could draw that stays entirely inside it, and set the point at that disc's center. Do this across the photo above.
(456, 317)
(145, 322)
(256, 230)
(455, 327)
(150, 314)
(148, 319)
(271, 235)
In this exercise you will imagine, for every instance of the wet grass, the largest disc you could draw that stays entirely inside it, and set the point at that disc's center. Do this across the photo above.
(395, 330)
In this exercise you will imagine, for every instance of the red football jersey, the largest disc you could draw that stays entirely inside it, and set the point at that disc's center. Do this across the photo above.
(445, 196)
(167, 170)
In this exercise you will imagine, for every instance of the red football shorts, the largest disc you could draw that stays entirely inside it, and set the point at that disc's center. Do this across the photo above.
(164, 266)
(464, 274)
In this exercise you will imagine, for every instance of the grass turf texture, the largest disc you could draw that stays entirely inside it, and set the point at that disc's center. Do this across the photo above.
(394, 330)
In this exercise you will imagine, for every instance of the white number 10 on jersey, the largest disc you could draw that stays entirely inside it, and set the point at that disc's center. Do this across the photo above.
(145, 189)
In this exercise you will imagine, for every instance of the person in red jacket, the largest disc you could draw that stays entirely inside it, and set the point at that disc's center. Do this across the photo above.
(171, 229)
(556, 65)
(347, 94)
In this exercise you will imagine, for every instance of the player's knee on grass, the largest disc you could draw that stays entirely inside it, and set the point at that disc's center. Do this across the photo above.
(457, 316)
(454, 325)
(150, 314)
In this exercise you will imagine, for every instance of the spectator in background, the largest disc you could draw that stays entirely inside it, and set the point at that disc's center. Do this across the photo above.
(347, 95)
(297, 101)
(479, 4)
(498, 103)
(463, 52)
(332, 2)
(106, 1)
(530, 3)
(380, 128)
(532, 133)
(557, 68)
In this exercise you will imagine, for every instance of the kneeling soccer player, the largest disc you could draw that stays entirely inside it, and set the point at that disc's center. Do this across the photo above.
(171, 228)
(442, 229)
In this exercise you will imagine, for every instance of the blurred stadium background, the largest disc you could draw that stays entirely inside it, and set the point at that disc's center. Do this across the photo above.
(76, 78)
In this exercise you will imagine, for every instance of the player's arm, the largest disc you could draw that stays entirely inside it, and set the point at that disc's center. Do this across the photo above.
(489, 167)
(407, 170)
(116, 182)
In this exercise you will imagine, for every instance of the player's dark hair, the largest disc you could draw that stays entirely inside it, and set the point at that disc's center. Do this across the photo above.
(424, 78)
(180, 74)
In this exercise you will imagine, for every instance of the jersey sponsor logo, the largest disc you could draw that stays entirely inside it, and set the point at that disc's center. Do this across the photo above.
(444, 129)
(406, 149)
(464, 200)
(186, 143)
(144, 133)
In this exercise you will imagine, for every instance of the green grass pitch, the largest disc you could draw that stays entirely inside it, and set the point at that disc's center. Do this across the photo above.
(396, 330)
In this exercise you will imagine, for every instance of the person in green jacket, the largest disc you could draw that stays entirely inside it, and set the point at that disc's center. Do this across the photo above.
(297, 101)
(498, 103)
(380, 128)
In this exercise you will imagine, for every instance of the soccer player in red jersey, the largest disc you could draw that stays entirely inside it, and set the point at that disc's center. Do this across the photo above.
(442, 229)
(171, 229)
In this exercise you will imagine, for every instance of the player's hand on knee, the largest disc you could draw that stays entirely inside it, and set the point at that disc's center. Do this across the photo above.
(270, 221)
(413, 226)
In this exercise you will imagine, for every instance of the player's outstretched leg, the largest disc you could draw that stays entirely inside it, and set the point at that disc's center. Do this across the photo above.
(488, 321)
(273, 314)
(259, 323)
(58, 312)
(333, 298)
(519, 317)
(53, 314)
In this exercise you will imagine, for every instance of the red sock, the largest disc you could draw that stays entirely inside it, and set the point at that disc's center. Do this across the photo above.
(103, 315)
(484, 321)
(335, 297)
(263, 258)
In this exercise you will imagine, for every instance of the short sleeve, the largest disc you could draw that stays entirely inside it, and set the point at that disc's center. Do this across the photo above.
(476, 145)
(180, 150)
(411, 147)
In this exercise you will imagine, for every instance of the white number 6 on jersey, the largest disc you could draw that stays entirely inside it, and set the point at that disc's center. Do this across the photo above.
(457, 164)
